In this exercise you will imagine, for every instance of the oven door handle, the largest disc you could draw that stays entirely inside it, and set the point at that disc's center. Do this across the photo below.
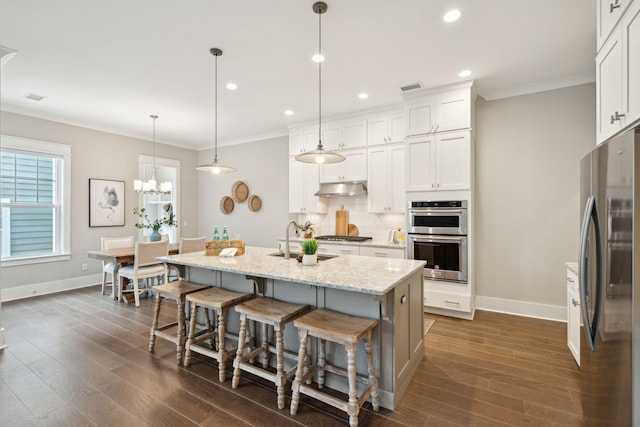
(438, 211)
(428, 239)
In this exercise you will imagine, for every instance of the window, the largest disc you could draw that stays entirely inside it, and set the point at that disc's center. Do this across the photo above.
(34, 195)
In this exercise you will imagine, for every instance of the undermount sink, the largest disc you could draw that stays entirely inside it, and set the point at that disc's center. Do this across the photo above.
(320, 257)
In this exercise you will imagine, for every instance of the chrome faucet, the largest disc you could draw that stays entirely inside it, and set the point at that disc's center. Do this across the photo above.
(287, 253)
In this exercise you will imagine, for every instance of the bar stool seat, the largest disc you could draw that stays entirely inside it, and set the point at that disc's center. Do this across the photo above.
(327, 325)
(177, 291)
(219, 300)
(272, 312)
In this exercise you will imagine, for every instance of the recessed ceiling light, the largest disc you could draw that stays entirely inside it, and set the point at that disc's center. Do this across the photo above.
(464, 73)
(34, 97)
(318, 58)
(232, 86)
(363, 95)
(288, 113)
(451, 16)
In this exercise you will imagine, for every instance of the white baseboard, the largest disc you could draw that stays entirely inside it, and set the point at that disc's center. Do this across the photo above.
(35, 289)
(557, 313)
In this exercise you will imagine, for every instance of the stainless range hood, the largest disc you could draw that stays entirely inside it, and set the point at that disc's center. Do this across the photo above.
(352, 189)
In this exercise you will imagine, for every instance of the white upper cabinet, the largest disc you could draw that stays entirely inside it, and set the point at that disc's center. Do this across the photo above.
(303, 184)
(387, 128)
(439, 162)
(607, 16)
(354, 167)
(331, 136)
(354, 134)
(442, 111)
(618, 76)
(386, 183)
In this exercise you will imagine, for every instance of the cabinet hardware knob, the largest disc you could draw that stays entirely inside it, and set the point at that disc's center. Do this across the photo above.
(380, 254)
(403, 299)
(574, 302)
(570, 280)
(452, 302)
(615, 117)
(613, 6)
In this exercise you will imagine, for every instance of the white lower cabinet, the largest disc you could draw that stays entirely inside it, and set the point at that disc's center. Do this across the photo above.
(327, 248)
(449, 299)
(382, 252)
(386, 183)
(573, 315)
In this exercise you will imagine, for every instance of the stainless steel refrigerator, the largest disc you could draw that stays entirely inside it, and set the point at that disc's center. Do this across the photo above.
(609, 379)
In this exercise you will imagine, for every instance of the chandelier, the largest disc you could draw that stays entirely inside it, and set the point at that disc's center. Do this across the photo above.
(151, 186)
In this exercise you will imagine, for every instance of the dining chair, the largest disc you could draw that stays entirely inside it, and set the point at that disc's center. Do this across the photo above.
(187, 245)
(107, 243)
(145, 266)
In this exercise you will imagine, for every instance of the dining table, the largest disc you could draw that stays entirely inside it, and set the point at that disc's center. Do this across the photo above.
(123, 256)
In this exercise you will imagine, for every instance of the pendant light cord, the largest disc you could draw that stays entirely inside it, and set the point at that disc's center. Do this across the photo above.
(215, 115)
(320, 81)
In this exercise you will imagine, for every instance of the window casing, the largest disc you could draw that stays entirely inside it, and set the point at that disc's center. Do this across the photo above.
(35, 201)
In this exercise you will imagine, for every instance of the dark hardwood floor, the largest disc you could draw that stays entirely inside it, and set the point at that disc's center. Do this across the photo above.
(80, 359)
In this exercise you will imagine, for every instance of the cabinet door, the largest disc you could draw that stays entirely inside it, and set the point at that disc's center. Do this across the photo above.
(355, 165)
(383, 253)
(609, 88)
(310, 139)
(396, 127)
(354, 134)
(332, 172)
(401, 320)
(421, 175)
(453, 153)
(377, 130)
(420, 117)
(378, 180)
(397, 175)
(296, 186)
(631, 62)
(453, 111)
(573, 316)
(325, 248)
(296, 143)
(312, 203)
(608, 13)
(331, 137)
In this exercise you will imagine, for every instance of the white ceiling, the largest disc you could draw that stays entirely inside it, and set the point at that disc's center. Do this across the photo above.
(108, 65)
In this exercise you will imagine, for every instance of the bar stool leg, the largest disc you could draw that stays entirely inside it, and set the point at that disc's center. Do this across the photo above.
(154, 324)
(265, 346)
(322, 357)
(297, 382)
(239, 354)
(222, 355)
(353, 408)
(180, 340)
(192, 332)
(375, 399)
(281, 379)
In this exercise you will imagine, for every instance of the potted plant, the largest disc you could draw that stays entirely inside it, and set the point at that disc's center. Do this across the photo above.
(309, 252)
(168, 219)
(306, 229)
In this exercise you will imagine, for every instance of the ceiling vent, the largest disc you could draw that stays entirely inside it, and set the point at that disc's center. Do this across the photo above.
(411, 87)
(34, 97)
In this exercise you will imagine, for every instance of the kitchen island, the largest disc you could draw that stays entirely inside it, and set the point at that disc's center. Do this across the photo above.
(389, 290)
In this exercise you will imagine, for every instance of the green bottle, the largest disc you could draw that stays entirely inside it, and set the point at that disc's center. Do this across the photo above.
(216, 234)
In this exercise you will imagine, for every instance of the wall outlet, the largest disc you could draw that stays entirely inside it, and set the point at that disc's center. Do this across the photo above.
(85, 267)
(184, 223)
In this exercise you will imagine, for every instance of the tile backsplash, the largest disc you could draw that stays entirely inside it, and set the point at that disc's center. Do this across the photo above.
(372, 225)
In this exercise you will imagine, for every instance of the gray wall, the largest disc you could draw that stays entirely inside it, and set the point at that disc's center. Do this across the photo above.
(264, 167)
(528, 150)
(101, 155)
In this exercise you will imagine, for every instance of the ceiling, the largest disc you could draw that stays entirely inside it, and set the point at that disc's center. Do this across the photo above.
(108, 65)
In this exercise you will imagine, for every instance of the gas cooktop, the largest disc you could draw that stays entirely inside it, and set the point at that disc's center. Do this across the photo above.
(344, 238)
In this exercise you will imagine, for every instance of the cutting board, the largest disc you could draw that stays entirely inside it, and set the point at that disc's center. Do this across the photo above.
(342, 221)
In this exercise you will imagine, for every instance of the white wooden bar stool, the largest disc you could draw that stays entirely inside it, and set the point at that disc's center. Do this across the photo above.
(177, 291)
(272, 312)
(343, 329)
(220, 301)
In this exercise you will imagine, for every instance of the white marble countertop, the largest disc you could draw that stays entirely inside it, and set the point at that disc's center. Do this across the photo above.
(371, 243)
(364, 274)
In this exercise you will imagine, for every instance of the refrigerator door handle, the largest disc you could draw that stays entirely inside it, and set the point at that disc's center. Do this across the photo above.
(590, 324)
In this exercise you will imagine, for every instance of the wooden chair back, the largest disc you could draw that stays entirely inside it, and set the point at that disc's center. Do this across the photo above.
(195, 244)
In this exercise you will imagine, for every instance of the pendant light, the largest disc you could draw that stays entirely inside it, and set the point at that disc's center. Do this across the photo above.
(215, 167)
(319, 155)
(151, 186)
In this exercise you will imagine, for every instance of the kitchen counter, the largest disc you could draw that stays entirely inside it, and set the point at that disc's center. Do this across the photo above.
(387, 289)
(369, 243)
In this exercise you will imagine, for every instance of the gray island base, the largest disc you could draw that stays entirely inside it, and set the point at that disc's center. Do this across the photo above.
(389, 290)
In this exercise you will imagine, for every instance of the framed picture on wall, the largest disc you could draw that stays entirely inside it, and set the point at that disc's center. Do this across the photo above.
(106, 203)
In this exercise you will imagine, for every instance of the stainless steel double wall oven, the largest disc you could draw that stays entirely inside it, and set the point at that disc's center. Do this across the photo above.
(437, 234)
